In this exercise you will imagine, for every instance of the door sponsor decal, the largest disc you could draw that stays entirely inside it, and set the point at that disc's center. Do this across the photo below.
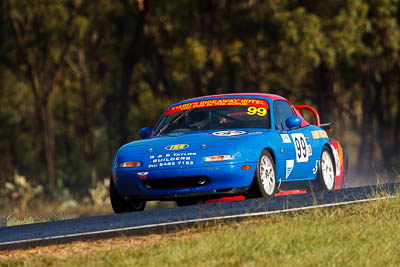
(286, 139)
(289, 167)
(228, 133)
(315, 169)
(300, 144)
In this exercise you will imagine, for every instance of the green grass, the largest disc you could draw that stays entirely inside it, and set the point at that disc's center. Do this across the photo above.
(365, 234)
(16, 219)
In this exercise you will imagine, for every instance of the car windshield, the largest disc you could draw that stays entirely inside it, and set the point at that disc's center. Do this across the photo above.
(191, 118)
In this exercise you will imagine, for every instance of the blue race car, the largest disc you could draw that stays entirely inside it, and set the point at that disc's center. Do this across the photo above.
(223, 145)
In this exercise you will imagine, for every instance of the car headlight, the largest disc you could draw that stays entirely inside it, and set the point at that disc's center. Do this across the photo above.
(218, 158)
(130, 164)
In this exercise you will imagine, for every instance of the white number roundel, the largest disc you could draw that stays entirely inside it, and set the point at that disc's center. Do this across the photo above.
(300, 144)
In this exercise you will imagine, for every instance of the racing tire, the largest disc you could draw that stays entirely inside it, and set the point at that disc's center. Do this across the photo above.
(266, 175)
(326, 172)
(122, 205)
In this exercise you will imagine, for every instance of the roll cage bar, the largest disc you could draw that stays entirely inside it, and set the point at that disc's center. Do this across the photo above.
(301, 108)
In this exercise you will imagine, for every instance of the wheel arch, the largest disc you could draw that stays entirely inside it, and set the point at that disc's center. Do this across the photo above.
(253, 184)
(271, 152)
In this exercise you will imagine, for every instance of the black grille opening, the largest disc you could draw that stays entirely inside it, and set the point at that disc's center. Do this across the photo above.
(175, 183)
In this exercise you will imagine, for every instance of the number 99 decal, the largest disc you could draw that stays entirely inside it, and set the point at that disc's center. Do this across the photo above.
(300, 144)
(258, 111)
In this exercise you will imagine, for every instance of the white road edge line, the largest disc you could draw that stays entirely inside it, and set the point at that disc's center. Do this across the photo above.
(195, 220)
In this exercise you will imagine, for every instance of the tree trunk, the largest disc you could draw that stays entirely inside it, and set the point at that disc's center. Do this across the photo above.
(131, 57)
(48, 139)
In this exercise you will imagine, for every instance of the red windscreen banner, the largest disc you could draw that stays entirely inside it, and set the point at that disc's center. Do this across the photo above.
(249, 102)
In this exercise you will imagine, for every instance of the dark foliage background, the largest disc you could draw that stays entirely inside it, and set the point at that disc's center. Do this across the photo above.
(80, 78)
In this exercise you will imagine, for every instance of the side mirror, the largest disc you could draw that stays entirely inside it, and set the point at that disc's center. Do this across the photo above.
(293, 122)
(145, 132)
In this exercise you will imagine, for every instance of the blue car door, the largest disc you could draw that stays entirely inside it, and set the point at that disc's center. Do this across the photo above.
(297, 145)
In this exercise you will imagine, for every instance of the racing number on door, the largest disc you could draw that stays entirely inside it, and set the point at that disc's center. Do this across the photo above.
(300, 144)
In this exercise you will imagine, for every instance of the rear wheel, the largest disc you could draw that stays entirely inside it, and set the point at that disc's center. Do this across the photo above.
(120, 204)
(326, 172)
(266, 175)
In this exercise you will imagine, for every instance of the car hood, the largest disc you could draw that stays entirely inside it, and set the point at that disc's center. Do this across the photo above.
(185, 149)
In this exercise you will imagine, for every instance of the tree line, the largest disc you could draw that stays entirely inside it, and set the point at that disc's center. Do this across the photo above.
(79, 78)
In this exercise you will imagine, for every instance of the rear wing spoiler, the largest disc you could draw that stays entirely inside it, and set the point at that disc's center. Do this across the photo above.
(325, 126)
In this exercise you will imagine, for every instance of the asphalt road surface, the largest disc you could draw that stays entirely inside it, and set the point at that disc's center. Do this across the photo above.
(172, 219)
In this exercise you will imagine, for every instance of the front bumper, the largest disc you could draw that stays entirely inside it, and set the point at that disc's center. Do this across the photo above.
(222, 180)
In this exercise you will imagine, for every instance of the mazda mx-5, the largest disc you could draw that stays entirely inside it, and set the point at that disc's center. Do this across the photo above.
(225, 145)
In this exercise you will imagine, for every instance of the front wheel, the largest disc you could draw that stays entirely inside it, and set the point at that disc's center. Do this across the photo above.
(120, 204)
(326, 172)
(266, 175)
